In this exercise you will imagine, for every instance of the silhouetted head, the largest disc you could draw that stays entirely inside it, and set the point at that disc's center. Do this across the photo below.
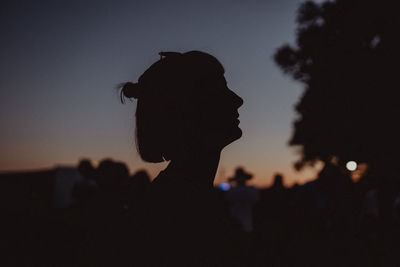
(112, 176)
(241, 176)
(184, 104)
(278, 180)
(86, 169)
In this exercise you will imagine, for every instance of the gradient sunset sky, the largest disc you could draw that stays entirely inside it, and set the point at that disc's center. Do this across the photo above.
(60, 62)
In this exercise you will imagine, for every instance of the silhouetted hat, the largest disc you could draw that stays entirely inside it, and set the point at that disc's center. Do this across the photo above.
(240, 175)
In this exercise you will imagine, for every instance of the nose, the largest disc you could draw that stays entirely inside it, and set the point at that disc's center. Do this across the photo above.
(237, 100)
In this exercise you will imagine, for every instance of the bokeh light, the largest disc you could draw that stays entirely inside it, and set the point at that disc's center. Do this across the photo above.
(351, 165)
(224, 186)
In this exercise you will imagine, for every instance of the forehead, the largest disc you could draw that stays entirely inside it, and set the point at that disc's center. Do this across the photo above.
(212, 78)
(209, 71)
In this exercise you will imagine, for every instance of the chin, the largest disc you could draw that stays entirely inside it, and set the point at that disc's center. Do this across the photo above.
(234, 135)
(238, 133)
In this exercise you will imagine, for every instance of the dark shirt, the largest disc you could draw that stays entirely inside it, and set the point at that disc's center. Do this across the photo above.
(184, 224)
(179, 223)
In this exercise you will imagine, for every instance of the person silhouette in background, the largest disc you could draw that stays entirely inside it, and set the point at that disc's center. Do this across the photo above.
(242, 199)
(85, 190)
(105, 216)
(185, 114)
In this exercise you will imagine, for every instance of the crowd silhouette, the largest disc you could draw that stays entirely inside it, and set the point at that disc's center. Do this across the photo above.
(330, 221)
(186, 115)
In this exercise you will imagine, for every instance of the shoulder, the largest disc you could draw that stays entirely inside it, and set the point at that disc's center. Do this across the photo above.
(166, 190)
(167, 200)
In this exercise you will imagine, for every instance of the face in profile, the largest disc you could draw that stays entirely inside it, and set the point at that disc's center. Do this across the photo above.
(216, 120)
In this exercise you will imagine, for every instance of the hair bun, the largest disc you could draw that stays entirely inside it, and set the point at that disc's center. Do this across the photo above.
(130, 90)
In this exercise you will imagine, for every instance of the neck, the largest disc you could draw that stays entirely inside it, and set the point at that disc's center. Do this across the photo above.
(200, 167)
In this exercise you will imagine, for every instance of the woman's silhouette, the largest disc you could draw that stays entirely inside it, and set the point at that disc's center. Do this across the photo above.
(186, 114)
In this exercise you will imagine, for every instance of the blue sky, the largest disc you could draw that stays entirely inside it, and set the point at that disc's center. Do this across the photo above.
(60, 61)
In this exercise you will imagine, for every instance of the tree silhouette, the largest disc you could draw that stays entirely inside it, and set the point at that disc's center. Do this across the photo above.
(346, 55)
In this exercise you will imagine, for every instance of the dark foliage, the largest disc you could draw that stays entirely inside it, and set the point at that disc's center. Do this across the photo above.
(346, 55)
